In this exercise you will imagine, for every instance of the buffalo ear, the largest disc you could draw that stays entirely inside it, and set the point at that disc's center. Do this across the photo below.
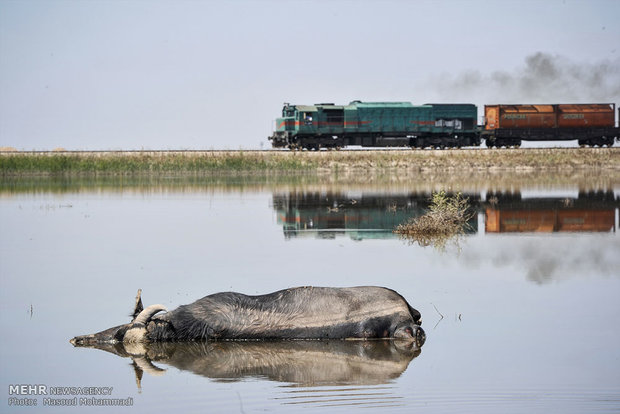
(138, 306)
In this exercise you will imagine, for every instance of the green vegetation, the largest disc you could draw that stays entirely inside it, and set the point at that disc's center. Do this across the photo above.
(404, 162)
(447, 217)
(146, 163)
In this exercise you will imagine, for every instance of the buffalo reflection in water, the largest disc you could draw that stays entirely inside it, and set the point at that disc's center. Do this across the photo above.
(306, 363)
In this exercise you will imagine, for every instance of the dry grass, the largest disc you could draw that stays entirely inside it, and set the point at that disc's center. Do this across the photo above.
(447, 218)
(402, 162)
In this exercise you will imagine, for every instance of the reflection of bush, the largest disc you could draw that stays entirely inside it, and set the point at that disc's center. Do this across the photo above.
(446, 219)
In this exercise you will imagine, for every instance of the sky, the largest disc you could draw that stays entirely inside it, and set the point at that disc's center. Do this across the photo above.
(111, 75)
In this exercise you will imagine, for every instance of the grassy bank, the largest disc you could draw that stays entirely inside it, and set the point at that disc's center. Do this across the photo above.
(247, 162)
(145, 163)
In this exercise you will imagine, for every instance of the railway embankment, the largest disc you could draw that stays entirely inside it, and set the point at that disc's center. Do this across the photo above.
(405, 162)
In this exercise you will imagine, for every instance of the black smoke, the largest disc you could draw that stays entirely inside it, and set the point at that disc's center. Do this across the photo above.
(543, 78)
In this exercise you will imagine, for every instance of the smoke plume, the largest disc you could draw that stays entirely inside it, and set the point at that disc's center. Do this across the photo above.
(544, 78)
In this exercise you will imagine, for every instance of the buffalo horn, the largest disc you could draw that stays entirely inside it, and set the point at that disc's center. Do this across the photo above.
(148, 312)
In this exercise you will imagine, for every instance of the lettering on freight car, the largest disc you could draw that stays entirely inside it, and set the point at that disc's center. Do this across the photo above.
(515, 116)
(573, 116)
(515, 221)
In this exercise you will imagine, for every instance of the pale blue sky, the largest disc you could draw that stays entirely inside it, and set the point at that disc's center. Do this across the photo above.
(212, 74)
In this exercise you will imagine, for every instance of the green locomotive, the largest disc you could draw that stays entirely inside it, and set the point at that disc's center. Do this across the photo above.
(376, 124)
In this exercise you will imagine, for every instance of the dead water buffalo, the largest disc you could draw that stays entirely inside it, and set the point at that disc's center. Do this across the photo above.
(300, 313)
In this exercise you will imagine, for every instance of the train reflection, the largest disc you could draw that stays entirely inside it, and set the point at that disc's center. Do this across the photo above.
(589, 212)
(360, 216)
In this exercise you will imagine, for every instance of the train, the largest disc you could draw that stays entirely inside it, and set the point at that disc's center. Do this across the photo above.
(402, 124)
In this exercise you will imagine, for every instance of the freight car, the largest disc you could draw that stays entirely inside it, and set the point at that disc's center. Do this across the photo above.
(593, 211)
(590, 124)
(376, 124)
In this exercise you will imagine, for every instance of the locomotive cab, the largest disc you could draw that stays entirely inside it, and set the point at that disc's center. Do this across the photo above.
(300, 125)
(284, 126)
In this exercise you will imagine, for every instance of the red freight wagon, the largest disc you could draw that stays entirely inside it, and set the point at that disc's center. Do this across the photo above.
(519, 116)
(590, 124)
(585, 116)
(548, 220)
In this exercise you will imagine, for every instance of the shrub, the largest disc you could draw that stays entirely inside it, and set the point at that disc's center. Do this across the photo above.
(447, 217)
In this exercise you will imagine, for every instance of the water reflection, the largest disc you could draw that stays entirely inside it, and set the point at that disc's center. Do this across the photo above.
(424, 182)
(588, 212)
(360, 216)
(302, 363)
(182, 237)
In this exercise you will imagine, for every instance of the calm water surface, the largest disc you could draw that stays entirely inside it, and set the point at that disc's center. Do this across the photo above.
(521, 313)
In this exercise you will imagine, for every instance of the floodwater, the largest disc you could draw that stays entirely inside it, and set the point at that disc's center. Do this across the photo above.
(521, 312)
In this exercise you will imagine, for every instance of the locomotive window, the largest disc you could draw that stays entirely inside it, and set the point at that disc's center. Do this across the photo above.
(449, 123)
(335, 116)
(308, 118)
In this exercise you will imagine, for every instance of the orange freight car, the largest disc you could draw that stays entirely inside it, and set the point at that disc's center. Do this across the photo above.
(585, 116)
(548, 221)
(590, 124)
(519, 116)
